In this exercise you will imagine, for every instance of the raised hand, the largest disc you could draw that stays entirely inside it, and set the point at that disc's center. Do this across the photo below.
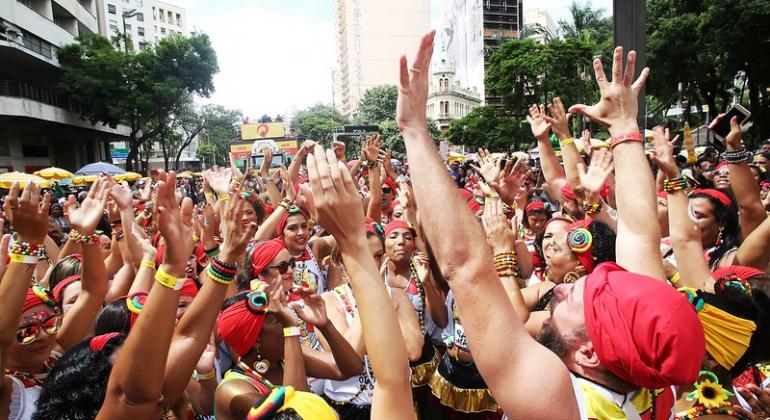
(312, 309)
(175, 231)
(559, 119)
(537, 122)
(663, 155)
(585, 140)
(210, 223)
(235, 236)
(617, 109)
(148, 251)
(594, 178)
(307, 147)
(288, 186)
(219, 179)
(121, 194)
(372, 148)
(413, 89)
(733, 139)
(500, 236)
(146, 193)
(28, 213)
(336, 199)
(87, 217)
(339, 149)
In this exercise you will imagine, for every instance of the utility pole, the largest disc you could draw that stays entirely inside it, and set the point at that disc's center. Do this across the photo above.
(629, 30)
(127, 14)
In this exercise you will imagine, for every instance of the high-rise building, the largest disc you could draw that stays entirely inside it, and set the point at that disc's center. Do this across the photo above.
(474, 29)
(371, 37)
(447, 98)
(144, 21)
(38, 126)
(539, 26)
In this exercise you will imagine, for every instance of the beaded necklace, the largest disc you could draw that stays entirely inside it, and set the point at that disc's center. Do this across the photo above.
(420, 294)
(261, 383)
(30, 380)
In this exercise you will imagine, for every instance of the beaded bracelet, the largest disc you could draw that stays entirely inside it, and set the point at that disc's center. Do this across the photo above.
(167, 280)
(506, 263)
(221, 272)
(83, 239)
(736, 157)
(592, 209)
(675, 184)
(220, 278)
(27, 249)
(221, 265)
(213, 252)
(285, 203)
(371, 164)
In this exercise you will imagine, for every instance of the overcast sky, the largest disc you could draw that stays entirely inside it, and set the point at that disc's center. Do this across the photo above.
(276, 56)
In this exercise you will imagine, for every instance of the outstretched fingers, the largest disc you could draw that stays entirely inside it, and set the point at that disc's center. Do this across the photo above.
(617, 65)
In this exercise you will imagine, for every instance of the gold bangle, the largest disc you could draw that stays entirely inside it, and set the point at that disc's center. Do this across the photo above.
(567, 141)
(167, 280)
(223, 197)
(291, 332)
(204, 377)
(148, 264)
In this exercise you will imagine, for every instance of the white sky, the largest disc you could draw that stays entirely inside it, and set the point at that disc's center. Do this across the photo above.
(276, 56)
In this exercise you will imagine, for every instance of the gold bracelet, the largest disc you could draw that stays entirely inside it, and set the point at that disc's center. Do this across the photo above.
(168, 280)
(567, 141)
(223, 197)
(148, 264)
(204, 377)
(292, 332)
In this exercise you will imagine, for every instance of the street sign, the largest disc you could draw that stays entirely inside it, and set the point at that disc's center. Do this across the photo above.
(119, 153)
(361, 129)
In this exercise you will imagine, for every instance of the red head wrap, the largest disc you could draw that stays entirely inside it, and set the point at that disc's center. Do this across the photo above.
(372, 227)
(397, 224)
(720, 166)
(240, 324)
(474, 205)
(293, 211)
(644, 331)
(465, 194)
(534, 206)
(263, 254)
(189, 288)
(299, 183)
(567, 192)
(200, 253)
(390, 183)
(59, 289)
(38, 295)
(268, 210)
(742, 272)
(581, 242)
(716, 195)
(98, 342)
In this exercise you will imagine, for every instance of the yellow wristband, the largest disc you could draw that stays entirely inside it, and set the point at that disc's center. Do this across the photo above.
(567, 141)
(223, 197)
(24, 259)
(292, 332)
(148, 264)
(675, 278)
(205, 377)
(168, 280)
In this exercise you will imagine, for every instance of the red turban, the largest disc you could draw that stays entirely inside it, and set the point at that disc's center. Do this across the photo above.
(390, 183)
(644, 331)
(567, 192)
(59, 289)
(189, 288)
(740, 271)
(38, 295)
(372, 227)
(240, 324)
(720, 166)
(282, 221)
(465, 194)
(268, 210)
(716, 195)
(200, 253)
(534, 206)
(581, 243)
(397, 224)
(474, 205)
(263, 254)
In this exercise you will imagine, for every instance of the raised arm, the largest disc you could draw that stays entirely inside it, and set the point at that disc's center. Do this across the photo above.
(339, 211)
(592, 181)
(559, 121)
(552, 169)
(685, 235)
(136, 381)
(80, 318)
(638, 240)
(508, 361)
(296, 164)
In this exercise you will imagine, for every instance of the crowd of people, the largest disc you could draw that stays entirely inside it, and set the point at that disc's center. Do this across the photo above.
(619, 282)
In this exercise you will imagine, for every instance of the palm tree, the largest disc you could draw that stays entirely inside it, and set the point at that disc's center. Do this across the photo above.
(587, 24)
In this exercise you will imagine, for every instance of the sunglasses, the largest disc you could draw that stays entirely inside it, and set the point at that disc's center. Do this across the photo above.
(29, 334)
(283, 267)
(386, 190)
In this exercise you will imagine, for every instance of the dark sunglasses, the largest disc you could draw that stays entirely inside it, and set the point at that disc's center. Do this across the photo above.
(30, 333)
(386, 190)
(283, 267)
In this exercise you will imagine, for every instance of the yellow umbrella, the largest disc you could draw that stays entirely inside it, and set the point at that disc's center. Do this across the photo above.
(7, 180)
(84, 179)
(185, 174)
(128, 176)
(54, 173)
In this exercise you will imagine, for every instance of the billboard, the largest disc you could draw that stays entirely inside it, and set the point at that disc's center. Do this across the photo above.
(261, 131)
(240, 151)
(462, 37)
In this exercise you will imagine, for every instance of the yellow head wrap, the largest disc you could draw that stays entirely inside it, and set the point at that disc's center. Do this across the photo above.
(306, 404)
(727, 336)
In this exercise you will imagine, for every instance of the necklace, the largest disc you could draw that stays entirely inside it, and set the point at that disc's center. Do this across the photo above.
(363, 383)
(263, 385)
(30, 380)
(420, 294)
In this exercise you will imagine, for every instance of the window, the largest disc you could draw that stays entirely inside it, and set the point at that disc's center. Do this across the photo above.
(178, 19)
(113, 24)
(163, 30)
(140, 17)
(111, 9)
(161, 15)
(154, 15)
(142, 46)
(170, 17)
(128, 28)
(140, 31)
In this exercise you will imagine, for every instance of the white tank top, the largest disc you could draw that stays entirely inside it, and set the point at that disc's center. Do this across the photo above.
(23, 400)
(309, 272)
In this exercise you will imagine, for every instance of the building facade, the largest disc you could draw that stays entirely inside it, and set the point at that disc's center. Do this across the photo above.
(144, 21)
(472, 30)
(38, 126)
(539, 26)
(371, 36)
(447, 98)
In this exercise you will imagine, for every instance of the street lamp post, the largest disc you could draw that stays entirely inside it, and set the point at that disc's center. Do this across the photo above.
(127, 14)
(629, 30)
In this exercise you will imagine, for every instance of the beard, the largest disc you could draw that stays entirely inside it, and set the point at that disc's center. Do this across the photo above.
(552, 340)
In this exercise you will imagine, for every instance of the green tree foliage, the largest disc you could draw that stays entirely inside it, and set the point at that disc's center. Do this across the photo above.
(391, 136)
(317, 122)
(191, 121)
(592, 26)
(378, 104)
(137, 89)
(492, 128)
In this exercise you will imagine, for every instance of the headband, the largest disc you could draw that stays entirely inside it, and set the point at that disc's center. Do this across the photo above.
(399, 224)
(716, 195)
(189, 288)
(306, 404)
(727, 336)
(98, 342)
(293, 211)
(580, 241)
(59, 289)
(263, 254)
(38, 295)
(390, 183)
(534, 206)
(239, 324)
(373, 227)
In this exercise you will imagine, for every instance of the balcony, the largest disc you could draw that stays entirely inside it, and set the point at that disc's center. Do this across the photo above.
(27, 91)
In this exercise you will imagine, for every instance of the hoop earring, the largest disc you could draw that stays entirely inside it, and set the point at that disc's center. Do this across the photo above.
(720, 236)
(261, 365)
(571, 277)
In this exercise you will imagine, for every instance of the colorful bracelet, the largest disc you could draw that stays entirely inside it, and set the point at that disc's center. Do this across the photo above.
(592, 209)
(506, 264)
(204, 377)
(213, 252)
(632, 136)
(285, 203)
(735, 157)
(675, 278)
(148, 264)
(27, 249)
(23, 259)
(218, 277)
(83, 239)
(567, 141)
(673, 185)
(167, 280)
(292, 332)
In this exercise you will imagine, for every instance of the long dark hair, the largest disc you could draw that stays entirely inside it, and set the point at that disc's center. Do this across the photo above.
(727, 217)
(76, 386)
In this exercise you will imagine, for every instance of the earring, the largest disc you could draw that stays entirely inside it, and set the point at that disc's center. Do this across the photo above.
(720, 236)
(571, 277)
(261, 365)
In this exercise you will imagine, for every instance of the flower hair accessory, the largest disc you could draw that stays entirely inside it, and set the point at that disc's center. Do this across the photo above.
(693, 296)
(135, 303)
(44, 294)
(709, 393)
(732, 281)
(256, 302)
(580, 240)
